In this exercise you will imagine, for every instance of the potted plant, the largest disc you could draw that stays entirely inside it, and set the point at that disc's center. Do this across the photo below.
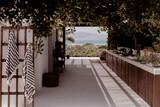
(68, 56)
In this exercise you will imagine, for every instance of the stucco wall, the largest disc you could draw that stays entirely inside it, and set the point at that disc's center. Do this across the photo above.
(44, 62)
(41, 64)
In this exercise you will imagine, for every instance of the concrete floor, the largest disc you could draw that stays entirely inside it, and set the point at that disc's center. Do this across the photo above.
(86, 83)
(78, 88)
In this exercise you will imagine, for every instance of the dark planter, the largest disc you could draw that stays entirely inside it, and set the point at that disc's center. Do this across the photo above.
(103, 55)
(67, 56)
(50, 80)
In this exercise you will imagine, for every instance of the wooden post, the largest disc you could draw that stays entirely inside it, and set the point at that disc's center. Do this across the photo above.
(17, 72)
(33, 65)
(64, 43)
(25, 48)
(64, 39)
(1, 66)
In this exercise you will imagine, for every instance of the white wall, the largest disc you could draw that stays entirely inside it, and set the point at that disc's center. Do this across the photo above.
(44, 62)
(41, 65)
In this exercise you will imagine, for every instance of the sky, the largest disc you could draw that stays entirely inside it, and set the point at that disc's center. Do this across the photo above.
(89, 35)
(88, 29)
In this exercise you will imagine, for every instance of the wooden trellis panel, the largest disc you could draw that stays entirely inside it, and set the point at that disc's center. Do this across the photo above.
(13, 96)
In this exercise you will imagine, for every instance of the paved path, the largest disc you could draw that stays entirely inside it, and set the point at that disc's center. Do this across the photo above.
(89, 83)
(78, 88)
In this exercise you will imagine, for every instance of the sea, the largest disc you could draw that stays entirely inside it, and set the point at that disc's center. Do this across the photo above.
(95, 42)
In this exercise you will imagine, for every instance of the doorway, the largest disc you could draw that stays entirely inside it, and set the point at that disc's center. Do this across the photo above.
(85, 41)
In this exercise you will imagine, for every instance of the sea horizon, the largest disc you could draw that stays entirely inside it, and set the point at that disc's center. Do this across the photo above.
(95, 42)
(86, 43)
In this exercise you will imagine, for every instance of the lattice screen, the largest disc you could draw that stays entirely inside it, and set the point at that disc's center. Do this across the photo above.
(13, 96)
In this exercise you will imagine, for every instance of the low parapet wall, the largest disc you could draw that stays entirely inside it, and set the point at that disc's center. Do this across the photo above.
(143, 79)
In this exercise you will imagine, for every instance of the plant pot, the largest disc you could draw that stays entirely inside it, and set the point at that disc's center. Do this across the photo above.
(50, 80)
(68, 56)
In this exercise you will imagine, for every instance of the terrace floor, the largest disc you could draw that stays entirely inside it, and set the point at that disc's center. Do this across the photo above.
(88, 82)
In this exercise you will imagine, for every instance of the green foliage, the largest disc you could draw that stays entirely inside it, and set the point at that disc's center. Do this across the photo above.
(150, 57)
(156, 44)
(102, 47)
(118, 17)
(38, 14)
(86, 50)
(69, 33)
(70, 30)
(110, 13)
(88, 44)
(39, 45)
(70, 38)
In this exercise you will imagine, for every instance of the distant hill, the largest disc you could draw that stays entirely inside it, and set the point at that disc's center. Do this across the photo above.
(85, 37)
